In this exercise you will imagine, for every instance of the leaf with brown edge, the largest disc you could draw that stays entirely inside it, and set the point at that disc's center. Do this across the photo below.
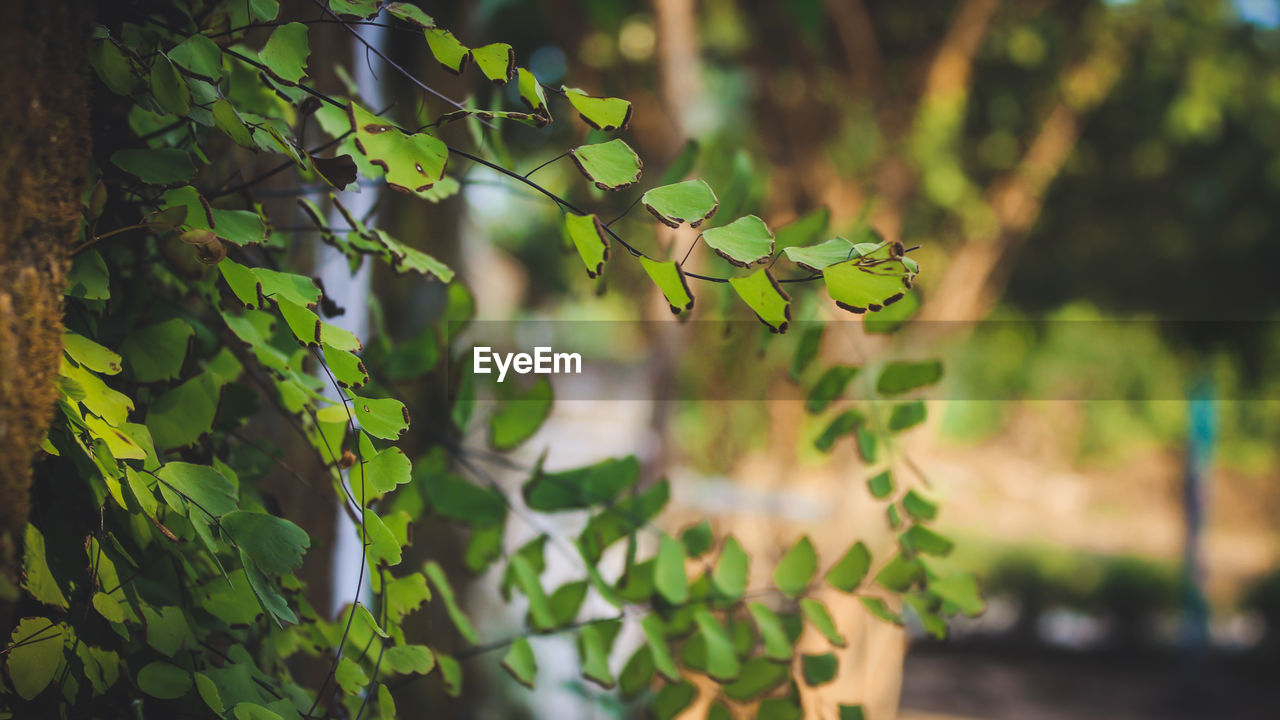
(412, 163)
(611, 165)
(762, 293)
(601, 113)
(497, 61)
(588, 236)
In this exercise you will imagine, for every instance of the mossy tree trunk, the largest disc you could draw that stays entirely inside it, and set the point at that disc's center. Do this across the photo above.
(44, 147)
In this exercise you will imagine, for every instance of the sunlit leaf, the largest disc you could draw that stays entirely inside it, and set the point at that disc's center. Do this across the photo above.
(671, 281)
(777, 645)
(588, 236)
(531, 93)
(601, 113)
(662, 659)
(732, 569)
(593, 649)
(848, 573)
(743, 242)
(668, 575)
(816, 613)
(445, 48)
(722, 661)
(412, 163)
(611, 165)
(496, 60)
(795, 571)
(762, 293)
(880, 277)
(691, 201)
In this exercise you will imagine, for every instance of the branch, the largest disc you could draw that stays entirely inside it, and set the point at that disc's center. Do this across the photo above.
(952, 65)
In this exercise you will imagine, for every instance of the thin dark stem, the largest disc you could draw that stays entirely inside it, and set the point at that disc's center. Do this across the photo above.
(561, 155)
(625, 212)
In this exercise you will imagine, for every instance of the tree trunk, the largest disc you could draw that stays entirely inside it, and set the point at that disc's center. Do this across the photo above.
(44, 118)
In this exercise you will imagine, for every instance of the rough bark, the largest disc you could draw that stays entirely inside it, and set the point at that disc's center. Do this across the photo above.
(44, 118)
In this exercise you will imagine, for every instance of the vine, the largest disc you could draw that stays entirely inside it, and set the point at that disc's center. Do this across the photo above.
(163, 582)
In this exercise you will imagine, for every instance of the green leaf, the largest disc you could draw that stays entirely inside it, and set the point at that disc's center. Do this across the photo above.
(266, 593)
(819, 669)
(894, 316)
(90, 354)
(637, 674)
(451, 673)
(829, 387)
(722, 661)
(593, 649)
(697, 538)
(455, 498)
(202, 485)
(88, 278)
(672, 699)
(690, 202)
(199, 56)
(601, 113)
(900, 574)
(906, 415)
(156, 352)
(363, 9)
(959, 589)
(36, 655)
(816, 613)
(662, 659)
(816, 258)
(581, 487)
(841, 425)
(847, 574)
(807, 347)
(497, 61)
(108, 608)
(611, 165)
(405, 659)
(920, 539)
(880, 277)
(520, 662)
(880, 609)
(37, 578)
(762, 293)
(254, 711)
(460, 620)
(113, 67)
(163, 680)
(881, 485)
(622, 519)
(531, 93)
(796, 569)
(297, 289)
(566, 601)
(902, 377)
(167, 166)
(167, 629)
(777, 646)
(350, 676)
(184, 414)
(383, 472)
(451, 54)
(168, 87)
(347, 368)
(758, 676)
(385, 418)
(732, 569)
(412, 163)
(410, 13)
(919, 507)
(226, 119)
(588, 236)
(669, 578)
(743, 242)
(275, 544)
(286, 53)
(539, 606)
(405, 259)
(671, 281)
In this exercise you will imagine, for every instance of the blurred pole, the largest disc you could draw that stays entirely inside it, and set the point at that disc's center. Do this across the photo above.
(1202, 429)
(350, 291)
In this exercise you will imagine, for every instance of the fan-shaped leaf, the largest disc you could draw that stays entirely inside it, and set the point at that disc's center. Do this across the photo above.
(588, 236)
(691, 201)
(671, 281)
(762, 293)
(497, 61)
(412, 163)
(743, 242)
(796, 569)
(601, 113)
(611, 165)
(520, 662)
